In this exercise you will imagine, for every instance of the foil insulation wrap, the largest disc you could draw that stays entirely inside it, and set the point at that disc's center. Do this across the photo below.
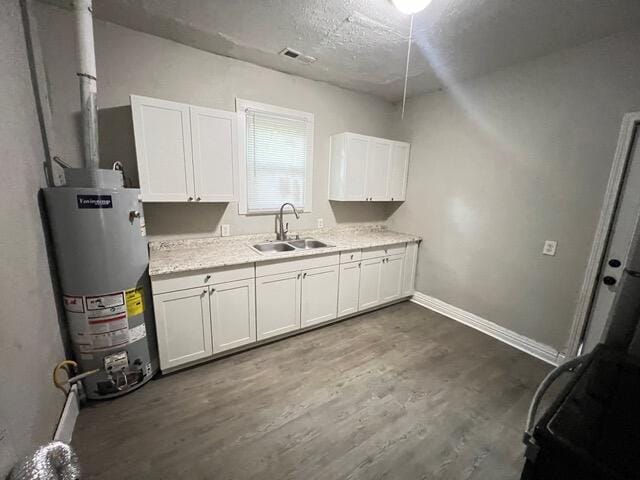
(54, 461)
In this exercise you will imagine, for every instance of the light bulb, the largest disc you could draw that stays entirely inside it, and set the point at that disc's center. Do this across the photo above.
(410, 7)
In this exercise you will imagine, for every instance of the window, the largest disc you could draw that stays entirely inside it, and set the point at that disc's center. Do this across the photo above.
(276, 157)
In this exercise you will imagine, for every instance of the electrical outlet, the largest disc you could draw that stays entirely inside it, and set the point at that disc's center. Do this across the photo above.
(320, 223)
(225, 230)
(549, 247)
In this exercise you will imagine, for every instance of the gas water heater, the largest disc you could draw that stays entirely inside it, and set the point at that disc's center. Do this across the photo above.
(102, 258)
(101, 253)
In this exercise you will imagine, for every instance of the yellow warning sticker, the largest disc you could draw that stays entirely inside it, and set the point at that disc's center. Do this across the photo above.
(135, 302)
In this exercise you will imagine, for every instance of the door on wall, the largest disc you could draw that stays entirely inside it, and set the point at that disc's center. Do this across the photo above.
(625, 226)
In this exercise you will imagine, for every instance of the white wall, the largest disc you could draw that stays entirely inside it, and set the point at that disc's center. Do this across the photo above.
(30, 343)
(503, 162)
(130, 62)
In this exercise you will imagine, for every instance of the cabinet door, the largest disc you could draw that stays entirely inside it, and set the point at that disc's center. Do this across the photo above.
(214, 154)
(398, 171)
(163, 147)
(277, 304)
(183, 325)
(319, 295)
(233, 314)
(349, 286)
(369, 294)
(356, 153)
(378, 169)
(391, 278)
(409, 269)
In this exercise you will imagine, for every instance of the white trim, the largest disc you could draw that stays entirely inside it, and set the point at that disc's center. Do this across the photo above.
(598, 248)
(67, 422)
(242, 106)
(527, 345)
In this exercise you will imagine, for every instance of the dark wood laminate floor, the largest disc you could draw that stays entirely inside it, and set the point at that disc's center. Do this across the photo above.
(400, 393)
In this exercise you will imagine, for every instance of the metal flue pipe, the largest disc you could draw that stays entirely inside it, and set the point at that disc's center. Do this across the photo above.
(88, 87)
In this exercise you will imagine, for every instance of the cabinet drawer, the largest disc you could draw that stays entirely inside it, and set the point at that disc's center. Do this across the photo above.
(350, 256)
(275, 267)
(182, 281)
(374, 252)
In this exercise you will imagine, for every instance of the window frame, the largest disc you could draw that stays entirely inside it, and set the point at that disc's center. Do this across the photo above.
(241, 106)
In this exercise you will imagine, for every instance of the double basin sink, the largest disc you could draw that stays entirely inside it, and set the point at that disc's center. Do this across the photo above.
(289, 245)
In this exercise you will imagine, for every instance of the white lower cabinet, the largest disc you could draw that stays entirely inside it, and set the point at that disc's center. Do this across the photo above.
(200, 315)
(370, 271)
(409, 270)
(233, 314)
(278, 304)
(183, 325)
(319, 295)
(391, 278)
(349, 288)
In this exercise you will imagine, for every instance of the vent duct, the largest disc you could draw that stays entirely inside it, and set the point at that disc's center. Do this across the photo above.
(296, 55)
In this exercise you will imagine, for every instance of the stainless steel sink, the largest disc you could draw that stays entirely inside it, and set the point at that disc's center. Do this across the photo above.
(289, 246)
(273, 247)
(308, 243)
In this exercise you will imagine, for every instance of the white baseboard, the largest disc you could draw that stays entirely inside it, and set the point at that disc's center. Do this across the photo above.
(67, 421)
(527, 345)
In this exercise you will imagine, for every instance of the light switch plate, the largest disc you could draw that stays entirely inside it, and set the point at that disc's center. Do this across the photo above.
(320, 223)
(549, 247)
(225, 230)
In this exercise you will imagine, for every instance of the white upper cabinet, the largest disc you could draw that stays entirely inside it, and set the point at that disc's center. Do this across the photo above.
(185, 153)
(163, 146)
(214, 154)
(398, 171)
(367, 168)
(378, 169)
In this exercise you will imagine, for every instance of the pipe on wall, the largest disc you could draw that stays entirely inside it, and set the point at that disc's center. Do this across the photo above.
(88, 85)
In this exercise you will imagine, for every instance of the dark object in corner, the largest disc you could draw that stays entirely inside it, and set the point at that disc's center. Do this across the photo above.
(592, 430)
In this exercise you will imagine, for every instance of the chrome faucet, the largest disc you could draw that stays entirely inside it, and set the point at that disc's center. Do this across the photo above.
(282, 233)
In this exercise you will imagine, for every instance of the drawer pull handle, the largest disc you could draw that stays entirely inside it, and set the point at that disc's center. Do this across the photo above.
(207, 278)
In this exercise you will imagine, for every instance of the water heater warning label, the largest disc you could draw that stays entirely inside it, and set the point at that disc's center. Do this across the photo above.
(99, 322)
(135, 301)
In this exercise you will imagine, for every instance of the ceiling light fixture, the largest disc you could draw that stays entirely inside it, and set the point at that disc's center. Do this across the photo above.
(410, 7)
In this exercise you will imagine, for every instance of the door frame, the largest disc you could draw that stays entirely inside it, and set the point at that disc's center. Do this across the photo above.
(630, 122)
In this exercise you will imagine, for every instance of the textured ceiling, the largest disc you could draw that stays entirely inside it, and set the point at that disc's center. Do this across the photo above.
(361, 44)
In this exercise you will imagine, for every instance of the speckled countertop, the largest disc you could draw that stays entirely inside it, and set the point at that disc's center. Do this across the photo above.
(174, 256)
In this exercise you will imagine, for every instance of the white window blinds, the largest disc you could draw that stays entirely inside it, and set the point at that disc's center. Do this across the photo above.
(278, 150)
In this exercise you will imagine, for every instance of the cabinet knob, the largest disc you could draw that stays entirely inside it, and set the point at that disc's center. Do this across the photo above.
(211, 291)
(609, 281)
(204, 291)
(298, 276)
(190, 199)
(207, 278)
(304, 275)
(198, 199)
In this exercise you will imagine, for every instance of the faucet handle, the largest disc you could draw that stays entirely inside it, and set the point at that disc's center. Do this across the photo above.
(286, 227)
